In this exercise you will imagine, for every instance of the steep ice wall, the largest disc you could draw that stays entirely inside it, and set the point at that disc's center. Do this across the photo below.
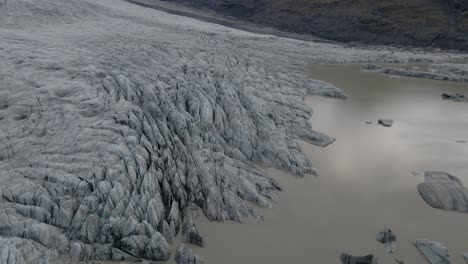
(117, 122)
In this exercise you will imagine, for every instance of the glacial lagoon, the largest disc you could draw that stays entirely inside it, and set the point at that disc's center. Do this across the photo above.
(367, 177)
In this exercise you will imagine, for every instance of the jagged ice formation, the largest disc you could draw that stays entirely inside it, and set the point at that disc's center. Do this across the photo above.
(118, 122)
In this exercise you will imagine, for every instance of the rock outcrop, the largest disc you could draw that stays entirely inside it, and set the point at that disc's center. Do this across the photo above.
(444, 191)
(435, 252)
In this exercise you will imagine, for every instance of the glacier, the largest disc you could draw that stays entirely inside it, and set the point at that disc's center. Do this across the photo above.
(119, 124)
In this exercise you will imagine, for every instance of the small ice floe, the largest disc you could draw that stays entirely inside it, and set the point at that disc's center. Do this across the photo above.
(465, 257)
(388, 238)
(444, 191)
(350, 259)
(386, 122)
(454, 97)
(435, 252)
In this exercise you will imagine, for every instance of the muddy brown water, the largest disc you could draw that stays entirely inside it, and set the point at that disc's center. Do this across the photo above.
(365, 182)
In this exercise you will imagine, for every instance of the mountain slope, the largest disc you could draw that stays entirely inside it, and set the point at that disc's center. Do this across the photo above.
(437, 23)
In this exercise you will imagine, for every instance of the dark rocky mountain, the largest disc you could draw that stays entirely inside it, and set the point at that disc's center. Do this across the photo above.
(424, 23)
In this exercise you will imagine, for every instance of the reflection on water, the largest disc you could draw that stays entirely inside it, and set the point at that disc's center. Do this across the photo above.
(366, 180)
